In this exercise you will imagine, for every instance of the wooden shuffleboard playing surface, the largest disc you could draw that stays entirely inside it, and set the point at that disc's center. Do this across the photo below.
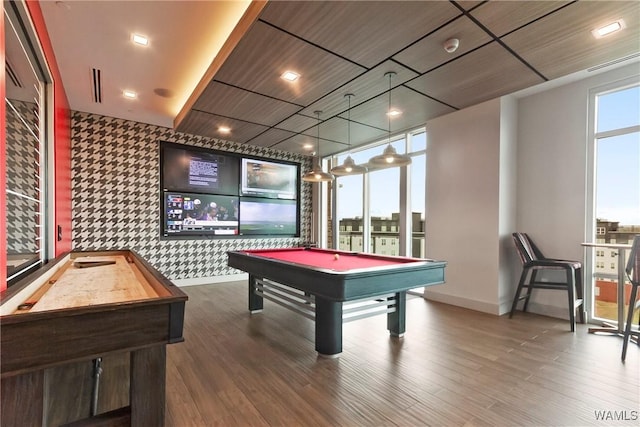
(70, 314)
(94, 280)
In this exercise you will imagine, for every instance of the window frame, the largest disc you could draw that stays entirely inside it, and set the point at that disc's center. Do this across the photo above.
(404, 226)
(592, 232)
(18, 14)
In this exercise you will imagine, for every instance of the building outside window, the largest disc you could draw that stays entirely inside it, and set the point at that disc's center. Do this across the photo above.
(615, 182)
(381, 190)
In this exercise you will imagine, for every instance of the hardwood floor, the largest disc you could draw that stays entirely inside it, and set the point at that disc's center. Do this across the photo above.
(454, 367)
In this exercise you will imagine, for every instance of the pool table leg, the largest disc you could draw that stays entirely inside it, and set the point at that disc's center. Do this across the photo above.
(396, 321)
(256, 302)
(328, 327)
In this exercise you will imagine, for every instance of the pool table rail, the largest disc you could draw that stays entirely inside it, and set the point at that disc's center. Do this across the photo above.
(345, 285)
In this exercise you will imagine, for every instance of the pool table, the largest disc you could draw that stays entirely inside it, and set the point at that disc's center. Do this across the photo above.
(332, 287)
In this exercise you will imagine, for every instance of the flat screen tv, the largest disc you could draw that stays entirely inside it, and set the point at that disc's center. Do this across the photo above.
(210, 194)
(261, 178)
(268, 217)
(186, 168)
(190, 214)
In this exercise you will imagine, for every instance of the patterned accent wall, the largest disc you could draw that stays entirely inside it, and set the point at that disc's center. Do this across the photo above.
(21, 177)
(116, 201)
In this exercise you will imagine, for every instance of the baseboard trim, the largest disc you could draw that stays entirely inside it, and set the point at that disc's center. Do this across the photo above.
(485, 307)
(196, 281)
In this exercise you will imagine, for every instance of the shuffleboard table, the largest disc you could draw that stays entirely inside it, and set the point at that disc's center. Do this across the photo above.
(332, 287)
(73, 311)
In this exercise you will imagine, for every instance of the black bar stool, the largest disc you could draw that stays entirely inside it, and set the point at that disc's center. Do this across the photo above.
(533, 262)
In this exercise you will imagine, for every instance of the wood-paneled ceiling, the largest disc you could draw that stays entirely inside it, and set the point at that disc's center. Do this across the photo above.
(347, 47)
(341, 47)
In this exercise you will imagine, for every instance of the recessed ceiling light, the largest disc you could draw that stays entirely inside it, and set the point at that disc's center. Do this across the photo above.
(290, 76)
(224, 129)
(394, 113)
(140, 39)
(608, 29)
(129, 94)
(307, 146)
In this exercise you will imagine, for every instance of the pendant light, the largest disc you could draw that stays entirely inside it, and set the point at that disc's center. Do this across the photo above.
(317, 174)
(348, 167)
(389, 157)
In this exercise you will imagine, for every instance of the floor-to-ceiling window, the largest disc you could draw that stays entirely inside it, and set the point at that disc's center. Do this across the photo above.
(417, 146)
(349, 212)
(616, 195)
(384, 205)
(368, 207)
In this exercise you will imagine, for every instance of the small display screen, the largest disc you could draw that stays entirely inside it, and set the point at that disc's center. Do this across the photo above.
(199, 171)
(261, 178)
(200, 214)
(259, 216)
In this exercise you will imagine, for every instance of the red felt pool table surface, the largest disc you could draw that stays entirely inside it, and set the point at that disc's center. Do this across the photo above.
(325, 258)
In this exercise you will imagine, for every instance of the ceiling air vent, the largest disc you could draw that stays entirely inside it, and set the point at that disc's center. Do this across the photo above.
(615, 61)
(13, 77)
(96, 85)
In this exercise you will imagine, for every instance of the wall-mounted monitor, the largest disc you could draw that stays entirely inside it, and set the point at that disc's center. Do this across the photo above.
(261, 216)
(212, 194)
(261, 178)
(190, 214)
(186, 168)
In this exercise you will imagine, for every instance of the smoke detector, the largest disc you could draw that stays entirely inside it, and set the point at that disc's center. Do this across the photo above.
(451, 45)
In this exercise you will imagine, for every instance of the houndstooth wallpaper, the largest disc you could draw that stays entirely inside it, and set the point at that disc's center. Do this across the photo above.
(116, 202)
(22, 177)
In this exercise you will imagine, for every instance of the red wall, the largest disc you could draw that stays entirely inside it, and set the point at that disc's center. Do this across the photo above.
(62, 144)
(62, 136)
(3, 184)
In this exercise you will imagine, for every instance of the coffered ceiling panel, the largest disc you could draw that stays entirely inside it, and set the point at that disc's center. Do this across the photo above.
(330, 130)
(297, 143)
(229, 101)
(265, 53)
(366, 33)
(415, 108)
(298, 122)
(365, 87)
(562, 43)
(429, 52)
(271, 137)
(504, 16)
(206, 124)
(360, 134)
(336, 130)
(497, 73)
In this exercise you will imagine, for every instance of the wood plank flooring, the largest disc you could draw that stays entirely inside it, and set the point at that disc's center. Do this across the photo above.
(454, 367)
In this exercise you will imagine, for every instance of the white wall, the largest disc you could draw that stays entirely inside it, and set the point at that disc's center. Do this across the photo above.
(509, 165)
(462, 215)
(552, 173)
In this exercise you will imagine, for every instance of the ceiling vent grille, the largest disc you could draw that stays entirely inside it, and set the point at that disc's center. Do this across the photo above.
(615, 61)
(96, 85)
(13, 77)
